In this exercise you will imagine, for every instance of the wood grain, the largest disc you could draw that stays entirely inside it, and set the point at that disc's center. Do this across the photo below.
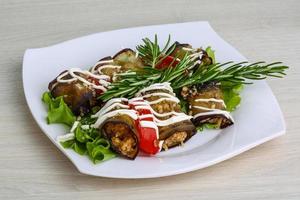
(32, 168)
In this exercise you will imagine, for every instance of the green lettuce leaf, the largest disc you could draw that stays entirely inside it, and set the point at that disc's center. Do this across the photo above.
(211, 53)
(90, 142)
(99, 151)
(206, 126)
(231, 93)
(58, 111)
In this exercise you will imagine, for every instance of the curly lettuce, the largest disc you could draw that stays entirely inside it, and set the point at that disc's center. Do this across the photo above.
(84, 140)
(58, 111)
(88, 141)
(231, 94)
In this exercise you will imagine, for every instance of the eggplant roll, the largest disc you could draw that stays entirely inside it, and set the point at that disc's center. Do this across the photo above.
(206, 105)
(122, 61)
(181, 50)
(120, 131)
(77, 95)
(175, 127)
(117, 122)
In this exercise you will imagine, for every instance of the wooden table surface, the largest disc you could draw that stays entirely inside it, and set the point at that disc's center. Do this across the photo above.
(31, 167)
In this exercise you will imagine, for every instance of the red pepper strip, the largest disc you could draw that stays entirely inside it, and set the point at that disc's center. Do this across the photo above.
(148, 136)
(166, 62)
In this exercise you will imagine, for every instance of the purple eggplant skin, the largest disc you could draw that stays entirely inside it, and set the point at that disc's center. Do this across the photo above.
(122, 135)
(186, 127)
(178, 51)
(222, 120)
(128, 60)
(211, 90)
(76, 95)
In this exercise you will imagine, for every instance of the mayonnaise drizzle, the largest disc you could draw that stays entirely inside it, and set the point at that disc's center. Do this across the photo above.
(108, 104)
(205, 108)
(93, 70)
(173, 99)
(112, 107)
(131, 113)
(148, 107)
(157, 86)
(139, 102)
(103, 79)
(172, 120)
(211, 100)
(160, 94)
(99, 70)
(215, 112)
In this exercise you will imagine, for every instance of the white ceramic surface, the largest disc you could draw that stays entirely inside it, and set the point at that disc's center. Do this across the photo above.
(257, 120)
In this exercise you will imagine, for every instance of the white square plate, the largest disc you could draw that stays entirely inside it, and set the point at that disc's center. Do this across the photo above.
(257, 120)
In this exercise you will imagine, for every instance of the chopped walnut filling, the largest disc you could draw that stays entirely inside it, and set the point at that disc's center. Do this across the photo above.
(175, 139)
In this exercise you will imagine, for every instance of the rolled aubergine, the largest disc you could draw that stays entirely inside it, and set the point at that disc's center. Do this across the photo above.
(121, 132)
(175, 127)
(206, 105)
(122, 61)
(176, 134)
(198, 54)
(79, 96)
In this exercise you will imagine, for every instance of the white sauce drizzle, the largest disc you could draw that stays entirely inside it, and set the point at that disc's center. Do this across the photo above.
(72, 72)
(107, 66)
(215, 112)
(157, 86)
(172, 120)
(156, 113)
(146, 116)
(205, 108)
(173, 99)
(109, 103)
(211, 100)
(161, 94)
(93, 70)
(131, 113)
(187, 49)
(111, 107)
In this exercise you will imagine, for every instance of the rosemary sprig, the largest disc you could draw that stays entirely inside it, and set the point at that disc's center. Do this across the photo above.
(150, 51)
(232, 72)
(132, 82)
(184, 74)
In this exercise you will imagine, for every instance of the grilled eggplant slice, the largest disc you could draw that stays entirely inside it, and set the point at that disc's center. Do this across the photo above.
(182, 49)
(79, 97)
(206, 105)
(175, 127)
(128, 60)
(109, 71)
(176, 134)
(120, 131)
(122, 61)
(179, 51)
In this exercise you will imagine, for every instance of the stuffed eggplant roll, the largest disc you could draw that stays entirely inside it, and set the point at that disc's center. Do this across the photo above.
(206, 105)
(118, 124)
(199, 55)
(175, 127)
(123, 61)
(79, 89)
